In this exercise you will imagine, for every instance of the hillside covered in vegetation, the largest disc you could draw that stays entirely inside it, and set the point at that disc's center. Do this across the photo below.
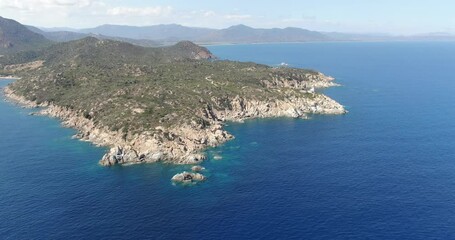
(15, 37)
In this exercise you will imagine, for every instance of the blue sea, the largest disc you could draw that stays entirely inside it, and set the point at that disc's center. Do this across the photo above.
(385, 170)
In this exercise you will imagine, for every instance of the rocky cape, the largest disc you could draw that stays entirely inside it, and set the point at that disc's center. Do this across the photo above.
(185, 144)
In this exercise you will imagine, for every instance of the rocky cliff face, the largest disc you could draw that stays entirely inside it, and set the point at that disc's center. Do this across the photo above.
(184, 144)
(300, 81)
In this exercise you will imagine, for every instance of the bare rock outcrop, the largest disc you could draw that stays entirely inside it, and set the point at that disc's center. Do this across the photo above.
(187, 177)
(197, 168)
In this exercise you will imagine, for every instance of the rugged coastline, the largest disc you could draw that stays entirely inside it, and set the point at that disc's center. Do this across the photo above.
(8, 77)
(183, 144)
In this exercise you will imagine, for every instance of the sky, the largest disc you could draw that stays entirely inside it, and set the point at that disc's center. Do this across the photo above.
(353, 16)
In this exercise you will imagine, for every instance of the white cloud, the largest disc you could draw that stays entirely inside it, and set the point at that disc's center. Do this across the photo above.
(91, 13)
(237, 16)
(16, 5)
(35, 5)
(209, 14)
(148, 11)
(62, 3)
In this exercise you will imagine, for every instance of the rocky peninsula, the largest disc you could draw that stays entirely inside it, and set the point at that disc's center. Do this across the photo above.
(163, 104)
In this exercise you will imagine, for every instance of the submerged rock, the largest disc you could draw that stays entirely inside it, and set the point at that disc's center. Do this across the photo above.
(197, 168)
(187, 177)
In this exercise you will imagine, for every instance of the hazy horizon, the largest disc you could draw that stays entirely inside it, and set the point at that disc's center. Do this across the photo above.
(350, 16)
(51, 29)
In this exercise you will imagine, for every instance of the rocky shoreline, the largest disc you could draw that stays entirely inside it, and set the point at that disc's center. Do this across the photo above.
(8, 77)
(185, 144)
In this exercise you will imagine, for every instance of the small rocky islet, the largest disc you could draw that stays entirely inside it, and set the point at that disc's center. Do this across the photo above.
(163, 104)
(188, 177)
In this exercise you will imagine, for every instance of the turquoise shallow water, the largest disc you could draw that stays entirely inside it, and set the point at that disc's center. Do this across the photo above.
(386, 170)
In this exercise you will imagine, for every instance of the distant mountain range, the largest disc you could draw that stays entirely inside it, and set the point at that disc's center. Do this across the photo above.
(17, 37)
(65, 36)
(171, 33)
(234, 34)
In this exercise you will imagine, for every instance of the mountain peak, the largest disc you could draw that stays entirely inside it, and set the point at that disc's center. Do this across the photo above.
(15, 37)
(239, 26)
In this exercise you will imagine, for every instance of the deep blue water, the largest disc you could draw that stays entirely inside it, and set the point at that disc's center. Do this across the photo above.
(386, 170)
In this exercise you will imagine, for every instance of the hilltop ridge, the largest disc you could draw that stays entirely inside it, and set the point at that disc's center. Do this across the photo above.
(92, 50)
